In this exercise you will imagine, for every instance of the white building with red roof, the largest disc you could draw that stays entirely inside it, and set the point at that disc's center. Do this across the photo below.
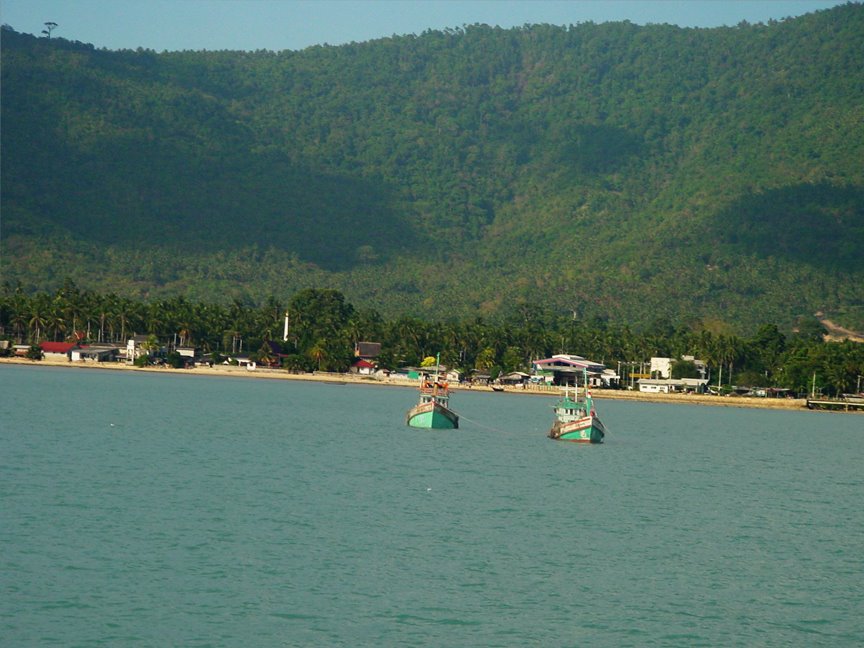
(363, 367)
(57, 350)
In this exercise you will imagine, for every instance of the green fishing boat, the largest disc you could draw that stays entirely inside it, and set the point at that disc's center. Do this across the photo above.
(433, 409)
(575, 418)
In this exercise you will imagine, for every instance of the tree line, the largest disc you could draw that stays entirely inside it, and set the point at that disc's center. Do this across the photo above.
(323, 329)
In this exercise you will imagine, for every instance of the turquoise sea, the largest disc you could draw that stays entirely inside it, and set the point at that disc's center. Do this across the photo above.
(180, 510)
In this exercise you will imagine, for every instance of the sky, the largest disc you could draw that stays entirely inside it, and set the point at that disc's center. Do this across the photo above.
(296, 24)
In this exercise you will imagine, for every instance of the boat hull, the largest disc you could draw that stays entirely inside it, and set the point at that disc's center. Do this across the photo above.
(432, 416)
(588, 429)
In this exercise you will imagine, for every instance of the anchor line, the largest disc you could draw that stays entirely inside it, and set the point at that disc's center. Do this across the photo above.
(480, 425)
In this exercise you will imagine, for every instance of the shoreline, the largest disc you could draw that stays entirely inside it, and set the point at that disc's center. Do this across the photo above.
(346, 379)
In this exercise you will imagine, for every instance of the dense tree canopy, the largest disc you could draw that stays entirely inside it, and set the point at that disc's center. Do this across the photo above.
(323, 329)
(613, 171)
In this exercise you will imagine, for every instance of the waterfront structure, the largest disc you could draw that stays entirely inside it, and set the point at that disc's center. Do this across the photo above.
(563, 369)
(672, 385)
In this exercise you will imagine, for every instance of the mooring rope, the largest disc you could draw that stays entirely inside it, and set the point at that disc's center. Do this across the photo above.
(480, 425)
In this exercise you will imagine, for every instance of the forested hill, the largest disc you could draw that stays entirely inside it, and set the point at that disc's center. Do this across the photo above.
(614, 170)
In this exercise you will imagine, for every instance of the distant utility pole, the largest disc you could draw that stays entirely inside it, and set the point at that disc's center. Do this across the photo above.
(49, 27)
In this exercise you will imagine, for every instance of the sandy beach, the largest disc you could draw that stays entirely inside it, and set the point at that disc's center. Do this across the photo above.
(347, 379)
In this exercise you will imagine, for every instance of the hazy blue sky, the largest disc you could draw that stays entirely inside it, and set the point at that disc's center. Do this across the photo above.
(296, 24)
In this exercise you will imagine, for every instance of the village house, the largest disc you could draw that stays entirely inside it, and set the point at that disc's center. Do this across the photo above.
(514, 378)
(366, 352)
(672, 385)
(452, 375)
(363, 368)
(95, 353)
(57, 350)
(479, 377)
(188, 352)
(239, 359)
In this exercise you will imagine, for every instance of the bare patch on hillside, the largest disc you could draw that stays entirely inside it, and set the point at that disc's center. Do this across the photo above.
(838, 333)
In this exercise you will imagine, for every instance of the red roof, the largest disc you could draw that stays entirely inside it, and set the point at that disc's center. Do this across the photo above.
(57, 347)
(364, 364)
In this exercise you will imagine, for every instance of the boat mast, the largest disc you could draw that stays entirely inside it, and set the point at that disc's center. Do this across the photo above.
(588, 403)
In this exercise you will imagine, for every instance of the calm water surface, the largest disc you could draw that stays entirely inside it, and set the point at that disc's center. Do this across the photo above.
(148, 510)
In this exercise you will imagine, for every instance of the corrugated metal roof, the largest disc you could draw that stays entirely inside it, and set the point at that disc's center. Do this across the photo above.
(563, 361)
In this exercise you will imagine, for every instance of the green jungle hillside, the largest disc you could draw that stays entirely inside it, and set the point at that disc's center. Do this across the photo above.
(615, 171)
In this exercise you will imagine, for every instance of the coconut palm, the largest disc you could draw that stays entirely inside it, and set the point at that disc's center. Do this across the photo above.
(18, 317)
(56, 323)
(265, 354)
(155, 317)
(39, 311)
(126, 316)
(485, 359)
(318, 352)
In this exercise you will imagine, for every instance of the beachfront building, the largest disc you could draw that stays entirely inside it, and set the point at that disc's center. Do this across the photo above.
(672, 385)
(514, 378)
(57, 350)
(136, 346)
(75, 352)
(363, 368)
(610, 378)
(95, 353)
(563, 369)
(188, 352)
(419, 373)
(239, 359)
(662, 367)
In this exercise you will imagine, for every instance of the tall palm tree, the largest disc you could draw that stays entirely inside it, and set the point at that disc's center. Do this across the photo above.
(89, 307)
(265, 354)
(318, 352)
(209, 320)
(104, 315)
(18, 318)
(56, 323)
(39, 311)
(68, 301)
(126, 317)
(411, 333)
(155, 317)
(728, 350)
